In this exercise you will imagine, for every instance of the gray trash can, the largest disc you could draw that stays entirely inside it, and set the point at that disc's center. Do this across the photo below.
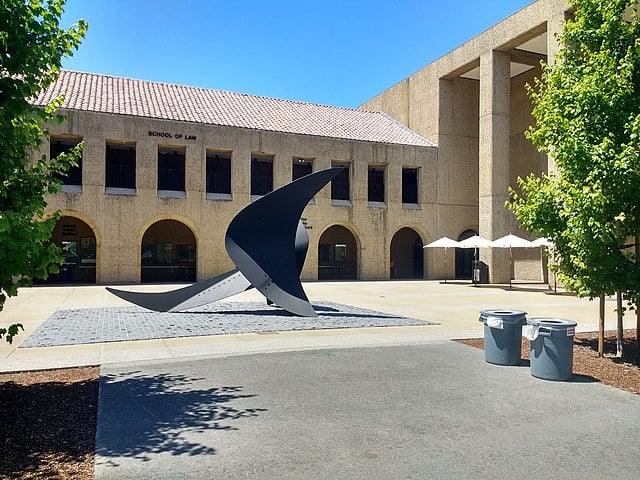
(503, 336)
(551, 341)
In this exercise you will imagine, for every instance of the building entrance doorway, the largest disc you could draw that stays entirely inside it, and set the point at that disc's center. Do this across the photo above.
(77, 241)
(407, 256)
(464, 258)
(337, 254)
(168, 253)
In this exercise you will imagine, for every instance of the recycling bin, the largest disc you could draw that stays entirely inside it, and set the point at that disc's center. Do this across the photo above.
(551, 341)
(503, 336)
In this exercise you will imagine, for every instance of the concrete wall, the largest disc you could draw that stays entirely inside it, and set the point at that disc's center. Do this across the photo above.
(472, 104)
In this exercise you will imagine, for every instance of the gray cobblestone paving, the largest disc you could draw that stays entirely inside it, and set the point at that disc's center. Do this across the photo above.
(96, 325)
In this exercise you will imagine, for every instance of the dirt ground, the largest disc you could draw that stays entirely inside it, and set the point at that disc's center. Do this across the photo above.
(48, 423)
(48, 418)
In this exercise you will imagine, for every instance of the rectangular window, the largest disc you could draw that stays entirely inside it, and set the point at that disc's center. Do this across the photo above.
(340, 188)
(375, 184)
(409, 185)
(164, 252)
(261, 174)
(185, 253)
(73, 176)
(301, 167)
(340, 252)
(218, 171)
(324, 253)
(120, 168)
(171, 170)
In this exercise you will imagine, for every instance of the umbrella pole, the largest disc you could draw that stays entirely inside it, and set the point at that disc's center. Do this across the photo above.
(475, 265)
(510, 267)
(445, 265)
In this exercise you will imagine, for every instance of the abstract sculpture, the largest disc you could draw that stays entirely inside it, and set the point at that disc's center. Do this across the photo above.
(267, 242)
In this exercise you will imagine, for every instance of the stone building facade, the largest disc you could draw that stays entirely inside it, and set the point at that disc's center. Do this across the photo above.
(166, 167)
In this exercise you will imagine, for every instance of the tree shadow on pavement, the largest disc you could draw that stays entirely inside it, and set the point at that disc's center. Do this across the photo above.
(141, 415)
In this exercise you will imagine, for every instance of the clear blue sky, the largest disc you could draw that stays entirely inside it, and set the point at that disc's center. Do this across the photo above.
(336, 52)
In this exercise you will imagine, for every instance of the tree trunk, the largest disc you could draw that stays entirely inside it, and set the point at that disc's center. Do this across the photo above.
(637, 329)
(620, 330)
(637, 306)
(601, 327)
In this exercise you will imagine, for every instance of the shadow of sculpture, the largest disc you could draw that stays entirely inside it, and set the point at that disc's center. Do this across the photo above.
(267, 242)
(169, 412)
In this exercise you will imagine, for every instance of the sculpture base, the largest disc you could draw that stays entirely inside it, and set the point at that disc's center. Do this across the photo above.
(116, 324)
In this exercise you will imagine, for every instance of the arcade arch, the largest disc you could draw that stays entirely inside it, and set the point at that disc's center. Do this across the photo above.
(77, 240)
(464, 258)
(407, 255)
(337, 254)
(168, 253)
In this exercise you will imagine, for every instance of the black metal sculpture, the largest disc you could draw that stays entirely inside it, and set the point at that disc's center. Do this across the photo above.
(267, 242)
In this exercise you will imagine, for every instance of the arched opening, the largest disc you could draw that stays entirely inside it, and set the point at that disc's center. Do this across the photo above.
(337, 254)
(77, 241)
(168, 253)
(464, 258)
(406, 254)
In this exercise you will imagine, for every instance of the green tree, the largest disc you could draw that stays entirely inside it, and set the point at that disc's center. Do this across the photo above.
(32, 46)
(587, 112)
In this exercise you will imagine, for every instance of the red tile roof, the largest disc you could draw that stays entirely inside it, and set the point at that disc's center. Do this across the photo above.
(125, 96)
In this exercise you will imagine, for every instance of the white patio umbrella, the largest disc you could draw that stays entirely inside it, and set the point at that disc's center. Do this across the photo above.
(444, 242)
(511, 241)
(541, 242)
(545, 242)
(475, 242)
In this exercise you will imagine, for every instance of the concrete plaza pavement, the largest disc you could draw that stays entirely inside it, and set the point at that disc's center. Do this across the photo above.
(454, 306)
(317, 404)
(429, 411)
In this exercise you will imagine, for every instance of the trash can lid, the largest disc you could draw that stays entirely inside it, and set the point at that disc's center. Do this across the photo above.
(552, 323)
(509, 316)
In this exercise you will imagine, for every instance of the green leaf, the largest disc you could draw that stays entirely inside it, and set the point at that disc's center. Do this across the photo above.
(587, 116)
(32, 46)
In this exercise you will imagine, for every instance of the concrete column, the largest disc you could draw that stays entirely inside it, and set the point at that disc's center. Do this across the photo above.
(493, 175)
(446, 136)
(554, 28)
(555, 25)
(446, 221)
